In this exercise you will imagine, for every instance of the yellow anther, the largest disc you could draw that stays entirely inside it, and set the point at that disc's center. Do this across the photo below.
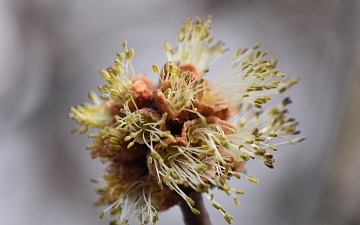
(272, 135)
(273, 147)
(128, 138)
(155, 68)
(239, 191)
(256, 46)
(190, 201)
(216, 205)
(195, 211)
(114, 147)
(147, 218)
(154, 219)
(180, 181)
(130, 53)
(236, 201)
(299, 139)
(264, 53)
(201, 167)
(253, 179)
(167, 47)
(228, 220)
(102, 215)
(258, 106)
(229, 215)
(124, 45)
(149, 160)
(130, 144)
(236, 175)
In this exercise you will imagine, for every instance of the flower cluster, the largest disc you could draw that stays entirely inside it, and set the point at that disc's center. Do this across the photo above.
(186, 133)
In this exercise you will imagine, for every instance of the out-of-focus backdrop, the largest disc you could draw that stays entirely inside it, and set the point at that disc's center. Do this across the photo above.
(50, 55)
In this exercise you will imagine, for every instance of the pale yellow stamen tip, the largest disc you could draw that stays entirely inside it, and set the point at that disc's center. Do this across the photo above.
(102, 215)
(253, 179)
(195, 211)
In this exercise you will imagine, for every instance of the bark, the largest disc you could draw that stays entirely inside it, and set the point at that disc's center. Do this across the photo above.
(189, 217)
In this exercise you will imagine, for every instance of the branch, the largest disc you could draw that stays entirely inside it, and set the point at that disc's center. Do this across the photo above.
(189, 217)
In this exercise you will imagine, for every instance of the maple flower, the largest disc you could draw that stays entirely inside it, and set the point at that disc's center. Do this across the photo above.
(159, 143)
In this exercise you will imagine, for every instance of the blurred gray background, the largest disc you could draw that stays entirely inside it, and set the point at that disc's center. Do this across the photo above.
(50, 55)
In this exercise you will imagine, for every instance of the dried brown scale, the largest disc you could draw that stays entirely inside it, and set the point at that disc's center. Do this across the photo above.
(184, 68)
(163, 86)
(164, 106)
(150, 84)
(191, 74)
(155, 116)
(132, 171)
(240, 166)
(141, 90)
(128, 154)
(223, 111)
(169, 198)
(189, 67)
(226, 113)
(112, 167)
(114, 108)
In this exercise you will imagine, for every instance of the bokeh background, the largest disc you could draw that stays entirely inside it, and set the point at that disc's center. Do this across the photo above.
(50, 55)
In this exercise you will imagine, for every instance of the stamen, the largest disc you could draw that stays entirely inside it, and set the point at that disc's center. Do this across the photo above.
(249, 78)
(95, 115)
(195, 45)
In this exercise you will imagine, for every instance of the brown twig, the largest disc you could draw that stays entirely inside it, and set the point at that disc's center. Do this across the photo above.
(189, 217)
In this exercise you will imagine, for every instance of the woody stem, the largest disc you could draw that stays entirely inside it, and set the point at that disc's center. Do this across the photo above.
(189, 217)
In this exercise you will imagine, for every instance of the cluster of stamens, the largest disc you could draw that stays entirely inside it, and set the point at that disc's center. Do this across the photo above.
(187, 133)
